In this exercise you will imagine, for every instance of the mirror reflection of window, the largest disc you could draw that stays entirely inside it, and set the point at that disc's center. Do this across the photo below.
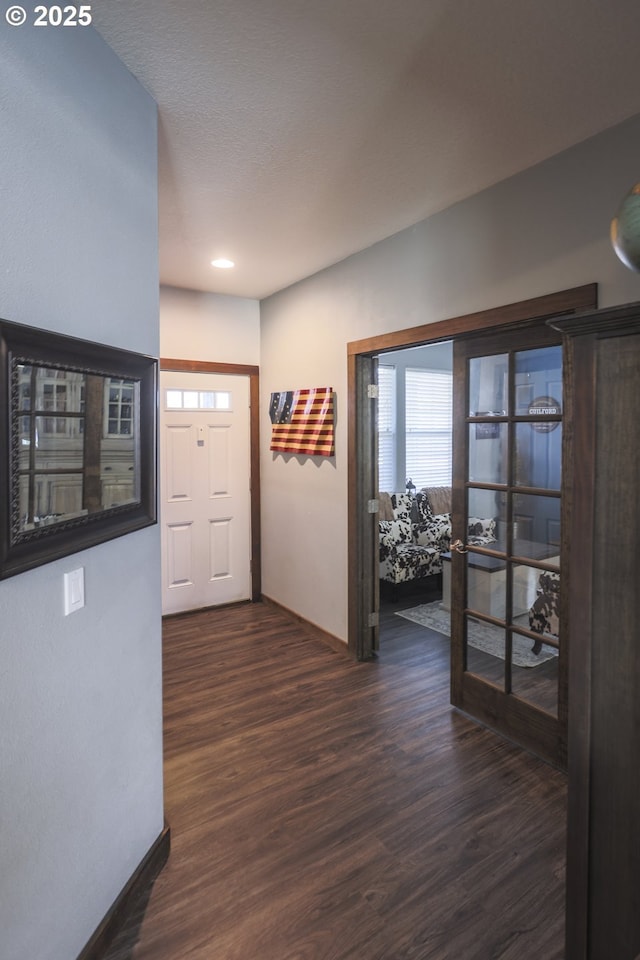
(117, 444)
(77, 445)
(119, 395)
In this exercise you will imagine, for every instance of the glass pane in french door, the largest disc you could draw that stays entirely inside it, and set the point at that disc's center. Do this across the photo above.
(488, 444)
(538, 455)
(486, 650)
(488, 386)
(536, 525)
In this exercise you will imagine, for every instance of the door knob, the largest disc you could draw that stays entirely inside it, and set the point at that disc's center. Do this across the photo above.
(459, 546)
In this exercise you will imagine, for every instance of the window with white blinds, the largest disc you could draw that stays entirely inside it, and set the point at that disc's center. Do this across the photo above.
(428, 438)
(386, 427)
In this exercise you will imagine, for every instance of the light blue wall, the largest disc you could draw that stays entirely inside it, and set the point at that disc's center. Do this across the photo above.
(80, 696)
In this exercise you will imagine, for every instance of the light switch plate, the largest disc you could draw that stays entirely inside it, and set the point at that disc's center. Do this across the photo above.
(73, 591)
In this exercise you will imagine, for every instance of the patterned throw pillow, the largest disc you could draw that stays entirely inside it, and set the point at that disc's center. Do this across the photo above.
(435, 532)
(402, 503)
(422, 507)
(482, 527)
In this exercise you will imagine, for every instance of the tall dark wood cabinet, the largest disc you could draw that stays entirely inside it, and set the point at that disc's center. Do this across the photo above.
(602, 524)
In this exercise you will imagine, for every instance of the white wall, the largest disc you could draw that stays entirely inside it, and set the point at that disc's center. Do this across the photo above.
(541, 231)
(209, 326)
(80, 696)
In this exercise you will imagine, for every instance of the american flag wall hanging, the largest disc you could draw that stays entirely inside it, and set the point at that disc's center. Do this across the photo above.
(302, 421)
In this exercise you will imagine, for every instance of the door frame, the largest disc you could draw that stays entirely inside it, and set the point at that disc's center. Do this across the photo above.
(253, 373)
(362, 546)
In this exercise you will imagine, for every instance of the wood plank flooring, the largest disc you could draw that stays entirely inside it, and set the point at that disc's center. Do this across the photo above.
(323, 809)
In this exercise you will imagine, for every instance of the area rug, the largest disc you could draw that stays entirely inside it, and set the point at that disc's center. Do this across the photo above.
(480, 635)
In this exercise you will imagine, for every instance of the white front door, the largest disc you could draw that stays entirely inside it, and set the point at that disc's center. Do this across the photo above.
(204, 490)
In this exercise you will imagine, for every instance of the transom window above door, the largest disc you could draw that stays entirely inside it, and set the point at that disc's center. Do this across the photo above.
(197, 399)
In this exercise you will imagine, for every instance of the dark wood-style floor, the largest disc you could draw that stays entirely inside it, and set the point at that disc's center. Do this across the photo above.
(323, 809)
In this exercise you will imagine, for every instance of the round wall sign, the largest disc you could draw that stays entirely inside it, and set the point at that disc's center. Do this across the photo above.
(545, 407)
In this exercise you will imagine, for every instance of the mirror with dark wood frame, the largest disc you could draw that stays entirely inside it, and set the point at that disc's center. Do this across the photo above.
(78, 438)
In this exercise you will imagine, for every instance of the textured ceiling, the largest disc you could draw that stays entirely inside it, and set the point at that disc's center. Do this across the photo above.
(296, 132)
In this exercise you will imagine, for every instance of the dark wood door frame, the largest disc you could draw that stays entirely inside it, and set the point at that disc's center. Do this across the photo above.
(253, 372)
(362, 542)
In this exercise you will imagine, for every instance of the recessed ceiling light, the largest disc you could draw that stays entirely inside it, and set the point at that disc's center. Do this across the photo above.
(222, 263)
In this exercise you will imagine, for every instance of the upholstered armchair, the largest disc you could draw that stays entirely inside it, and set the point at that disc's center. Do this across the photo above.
(412, 541)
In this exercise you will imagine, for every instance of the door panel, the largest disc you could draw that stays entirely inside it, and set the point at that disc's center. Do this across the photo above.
(205, 490)
(220, 534)
(508, 662)
(177, 456)
(219, 461)
(179, 550)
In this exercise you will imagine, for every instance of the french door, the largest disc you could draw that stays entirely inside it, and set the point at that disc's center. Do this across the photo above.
(508, 663)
